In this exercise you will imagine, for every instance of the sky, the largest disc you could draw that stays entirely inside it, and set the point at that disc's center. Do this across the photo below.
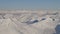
(29, 4)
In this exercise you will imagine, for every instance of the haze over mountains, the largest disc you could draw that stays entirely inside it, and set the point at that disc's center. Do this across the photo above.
(29, 21)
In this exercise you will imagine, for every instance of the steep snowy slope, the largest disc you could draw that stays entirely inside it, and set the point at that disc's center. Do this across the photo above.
(29, 23)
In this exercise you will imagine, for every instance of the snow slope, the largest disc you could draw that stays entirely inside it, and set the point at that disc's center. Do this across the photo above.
(25, 23)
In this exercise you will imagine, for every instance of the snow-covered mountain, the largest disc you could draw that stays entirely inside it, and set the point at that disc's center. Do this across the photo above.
(29, 22)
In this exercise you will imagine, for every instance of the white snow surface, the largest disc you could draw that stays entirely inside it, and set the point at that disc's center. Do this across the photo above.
(15, 23)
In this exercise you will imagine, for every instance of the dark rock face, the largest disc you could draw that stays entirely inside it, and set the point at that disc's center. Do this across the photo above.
(35, 21)
(43, 18)
(31, 22)
(53, 19)
(57, 29)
